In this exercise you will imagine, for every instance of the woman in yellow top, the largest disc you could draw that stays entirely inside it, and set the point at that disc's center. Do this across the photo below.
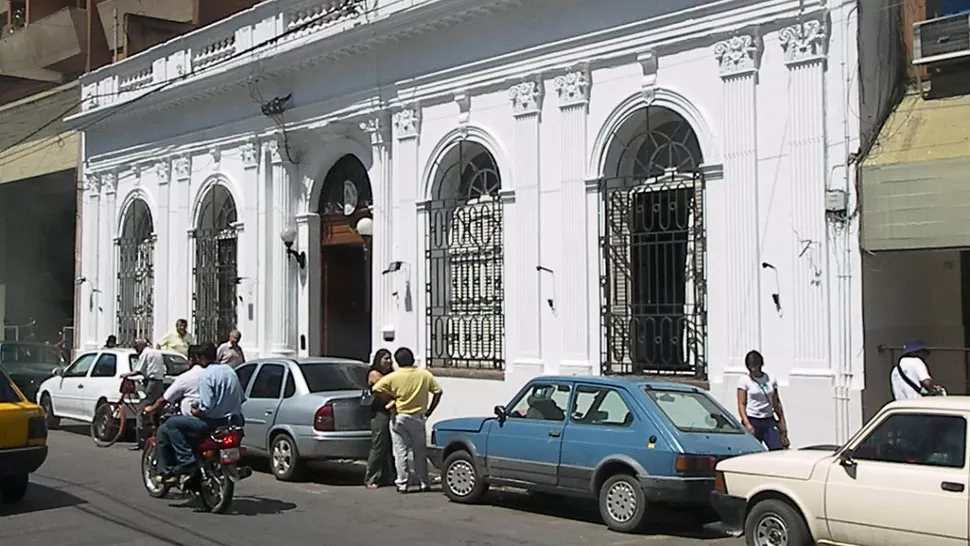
(179, 340)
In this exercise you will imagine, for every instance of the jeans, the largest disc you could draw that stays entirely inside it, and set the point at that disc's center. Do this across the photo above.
(766, 431)
(154, 389)
(380, 462)
(409, 436)
(174, 447)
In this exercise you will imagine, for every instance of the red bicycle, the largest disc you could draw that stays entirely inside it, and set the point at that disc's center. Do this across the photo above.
(111, 418)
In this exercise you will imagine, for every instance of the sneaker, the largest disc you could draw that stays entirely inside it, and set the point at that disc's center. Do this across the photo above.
(402, 489)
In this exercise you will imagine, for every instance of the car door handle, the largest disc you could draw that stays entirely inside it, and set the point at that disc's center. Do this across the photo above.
(80, 386)
(555, 433)
(269, 412)
(952, 487)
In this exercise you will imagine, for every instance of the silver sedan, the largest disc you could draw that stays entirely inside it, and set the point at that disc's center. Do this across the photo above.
(305, 409)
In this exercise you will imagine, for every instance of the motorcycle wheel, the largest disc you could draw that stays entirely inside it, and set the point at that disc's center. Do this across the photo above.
(215, 489)
(149, 469)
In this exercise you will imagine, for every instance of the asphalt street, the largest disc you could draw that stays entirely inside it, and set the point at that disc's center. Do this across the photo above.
(85, 495)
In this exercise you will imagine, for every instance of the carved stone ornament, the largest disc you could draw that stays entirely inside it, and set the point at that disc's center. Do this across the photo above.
(572, 88)
(92, 182)
(163, 171)
(407, 123)
(216, 154)
(250, 153)
(377, 127)
(109, 180)
(738, 55)
(275, 150)
(183, 167)
(526, 97)
(804, 42)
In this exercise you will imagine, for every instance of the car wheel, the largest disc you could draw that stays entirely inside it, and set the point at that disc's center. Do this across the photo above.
(285, 459)
(623, 505)
(52, 421)
(460, 479)
(776, 523)
(13, 488)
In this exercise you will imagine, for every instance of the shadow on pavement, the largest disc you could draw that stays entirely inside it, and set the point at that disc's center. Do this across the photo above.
(664, 522)
(324, 473)
(41, 498)
(259, 506)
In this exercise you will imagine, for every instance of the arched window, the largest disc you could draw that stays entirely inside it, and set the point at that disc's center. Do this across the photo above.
(136, 275)
(215, 271)
(653, 245)
(465, 262)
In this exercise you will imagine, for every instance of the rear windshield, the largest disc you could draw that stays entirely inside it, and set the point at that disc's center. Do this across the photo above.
(7, 394)
(693, 411)
(26, 356)
(174, 364)
(334, 377)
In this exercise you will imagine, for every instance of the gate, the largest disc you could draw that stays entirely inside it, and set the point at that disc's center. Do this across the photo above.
(216, 268)
(652, 278)
(136, 285)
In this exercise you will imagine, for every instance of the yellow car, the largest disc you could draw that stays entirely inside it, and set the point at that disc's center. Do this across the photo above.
(23, 440)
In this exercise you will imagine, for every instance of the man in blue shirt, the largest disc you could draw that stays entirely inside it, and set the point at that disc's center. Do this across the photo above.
(220, 401)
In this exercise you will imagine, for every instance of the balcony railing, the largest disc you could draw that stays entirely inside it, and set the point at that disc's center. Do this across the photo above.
(280, 24)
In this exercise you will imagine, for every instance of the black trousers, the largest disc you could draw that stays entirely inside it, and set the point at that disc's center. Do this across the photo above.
(154, 389)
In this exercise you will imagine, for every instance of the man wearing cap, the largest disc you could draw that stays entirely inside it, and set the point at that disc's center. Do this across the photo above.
(910, 378)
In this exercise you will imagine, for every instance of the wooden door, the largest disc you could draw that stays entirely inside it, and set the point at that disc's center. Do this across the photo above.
(345, 308)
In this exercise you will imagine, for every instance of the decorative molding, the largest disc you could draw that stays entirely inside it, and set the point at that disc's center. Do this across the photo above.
(250, 153)
(648, 82)
(464, 102)
(92, 183)
(407, 123)
(238, 226)
(572, 88)
(804, 42)
(216, 154)
(526, 97)
(183, 167)
(275, 150)
(109, 180)
(163, 171)
(304, 218)
(738, 55)
(378, 127)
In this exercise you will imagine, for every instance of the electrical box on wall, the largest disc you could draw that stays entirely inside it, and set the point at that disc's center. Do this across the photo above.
(836, 201)
(387, 333)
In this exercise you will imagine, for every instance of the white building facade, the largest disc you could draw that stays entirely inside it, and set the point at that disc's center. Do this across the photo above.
(553, 189)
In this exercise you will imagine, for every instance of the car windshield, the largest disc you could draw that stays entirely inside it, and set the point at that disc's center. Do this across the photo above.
(7, 393)
(693, 411)
(344, 376)
(174, 364)
(29, 357)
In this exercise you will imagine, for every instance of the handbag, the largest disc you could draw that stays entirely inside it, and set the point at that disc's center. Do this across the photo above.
(366, 398)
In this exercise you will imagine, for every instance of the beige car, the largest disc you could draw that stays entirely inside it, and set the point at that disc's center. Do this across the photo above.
(900, 481)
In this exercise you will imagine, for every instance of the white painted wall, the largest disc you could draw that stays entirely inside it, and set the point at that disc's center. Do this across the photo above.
(771, 120)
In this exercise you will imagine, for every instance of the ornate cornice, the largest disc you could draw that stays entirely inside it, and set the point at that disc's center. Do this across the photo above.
(250, 153)
(407, 123)
(92, 183)
(183, 167)
(572, 88)
(738, 55)
(163, 171)
(526, 97)
(804, 42)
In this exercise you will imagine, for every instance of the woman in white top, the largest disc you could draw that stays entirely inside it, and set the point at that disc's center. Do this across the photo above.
(759, 404)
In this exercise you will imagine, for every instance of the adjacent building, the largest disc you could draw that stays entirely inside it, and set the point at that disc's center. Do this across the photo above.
(510, 187)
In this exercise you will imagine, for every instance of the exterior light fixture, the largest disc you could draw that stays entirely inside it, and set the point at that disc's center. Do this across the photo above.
(365, 227)
(288, 236)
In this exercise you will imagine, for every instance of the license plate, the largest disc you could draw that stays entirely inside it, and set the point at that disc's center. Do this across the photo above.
(230, 455)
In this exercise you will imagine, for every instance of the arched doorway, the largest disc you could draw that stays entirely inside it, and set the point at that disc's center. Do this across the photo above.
(136, 275)
(465, 262)
(652, 239)
(345, 260)
(215, 271)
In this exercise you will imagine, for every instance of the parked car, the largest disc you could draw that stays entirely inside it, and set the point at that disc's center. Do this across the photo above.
(23, 443)
(29, 363)
(626, 442)
(900, 481)
(298, 410)
(93, 379)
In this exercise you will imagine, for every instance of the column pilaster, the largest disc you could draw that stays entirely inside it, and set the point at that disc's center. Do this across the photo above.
(382, 243)
(283, 270)
(90, 260)
(409, 233)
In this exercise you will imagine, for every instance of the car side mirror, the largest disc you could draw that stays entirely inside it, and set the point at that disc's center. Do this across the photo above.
(847, 460)
(57, 371)
(500, 413)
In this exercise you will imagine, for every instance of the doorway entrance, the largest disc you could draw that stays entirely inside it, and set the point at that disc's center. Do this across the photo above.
(345, 265)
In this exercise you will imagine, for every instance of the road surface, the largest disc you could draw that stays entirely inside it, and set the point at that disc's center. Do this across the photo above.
(87, 496)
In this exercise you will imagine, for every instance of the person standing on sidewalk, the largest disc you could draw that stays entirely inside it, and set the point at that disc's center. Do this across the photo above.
(151, 368)
(409, 388)
(759, 404)
(380, 461)
(179, 340)
(230, 352)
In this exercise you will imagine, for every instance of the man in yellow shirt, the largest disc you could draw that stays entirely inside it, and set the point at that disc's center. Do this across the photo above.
(409, 388)
(179, 340)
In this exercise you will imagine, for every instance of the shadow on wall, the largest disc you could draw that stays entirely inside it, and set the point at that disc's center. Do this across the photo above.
(912, 295)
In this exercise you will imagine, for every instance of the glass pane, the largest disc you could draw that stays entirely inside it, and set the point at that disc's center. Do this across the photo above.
(334, 377)
(932, 440)
(542, 402)
(693, 411)
(7, 393)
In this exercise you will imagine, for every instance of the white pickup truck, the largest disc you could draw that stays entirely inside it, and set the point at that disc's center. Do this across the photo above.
(900, 481)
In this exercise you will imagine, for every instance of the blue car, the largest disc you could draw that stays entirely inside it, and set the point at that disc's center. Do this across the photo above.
(629, 443)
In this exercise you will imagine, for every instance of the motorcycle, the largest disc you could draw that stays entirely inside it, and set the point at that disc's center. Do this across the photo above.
(213, 483)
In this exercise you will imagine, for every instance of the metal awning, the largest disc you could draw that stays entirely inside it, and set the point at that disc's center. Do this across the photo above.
(916, 179)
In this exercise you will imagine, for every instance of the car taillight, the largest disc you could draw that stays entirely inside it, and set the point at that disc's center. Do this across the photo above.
(719, 484)
(36, 428)
(323, 419)
(693, 464)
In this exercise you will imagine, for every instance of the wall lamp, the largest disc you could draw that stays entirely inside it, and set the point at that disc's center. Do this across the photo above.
(288, 236)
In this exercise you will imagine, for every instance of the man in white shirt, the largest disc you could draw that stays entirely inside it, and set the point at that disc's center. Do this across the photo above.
(151, 367)
(915, 380)
(185, 389)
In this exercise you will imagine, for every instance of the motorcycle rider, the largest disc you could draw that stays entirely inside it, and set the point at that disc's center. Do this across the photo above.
(220, 403)
(185, 392)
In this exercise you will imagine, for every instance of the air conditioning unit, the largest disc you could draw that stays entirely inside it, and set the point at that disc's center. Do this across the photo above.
(941, 39)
